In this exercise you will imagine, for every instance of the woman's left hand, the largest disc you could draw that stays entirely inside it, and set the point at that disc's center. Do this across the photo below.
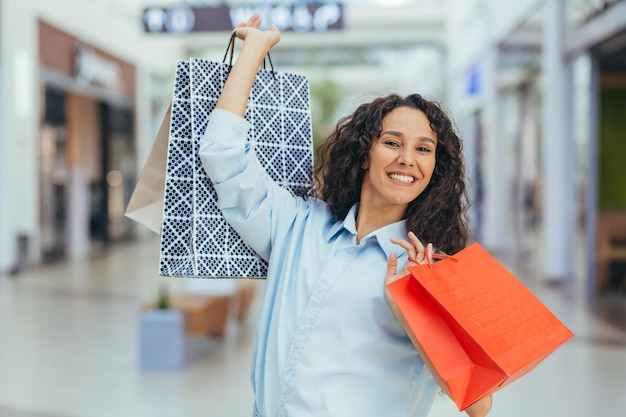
(418, 255)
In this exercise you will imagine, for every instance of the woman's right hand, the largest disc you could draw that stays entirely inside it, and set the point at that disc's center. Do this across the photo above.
(250, 29)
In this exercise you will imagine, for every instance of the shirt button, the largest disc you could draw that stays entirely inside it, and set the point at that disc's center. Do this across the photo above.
(297, 345)
(281, 403)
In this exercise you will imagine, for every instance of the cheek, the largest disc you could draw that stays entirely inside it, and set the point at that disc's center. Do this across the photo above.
(429, 168)
(432, 167)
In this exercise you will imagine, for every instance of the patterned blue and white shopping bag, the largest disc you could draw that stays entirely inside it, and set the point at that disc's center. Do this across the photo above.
(195, 238)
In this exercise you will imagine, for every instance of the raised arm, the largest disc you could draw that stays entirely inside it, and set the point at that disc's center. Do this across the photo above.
(256, 44)
(248, 198)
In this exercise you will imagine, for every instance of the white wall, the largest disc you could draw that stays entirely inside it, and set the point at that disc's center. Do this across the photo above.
(509, 15)
(113, 25)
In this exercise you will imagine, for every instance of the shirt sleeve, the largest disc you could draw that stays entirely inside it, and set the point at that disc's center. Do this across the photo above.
(246, 194)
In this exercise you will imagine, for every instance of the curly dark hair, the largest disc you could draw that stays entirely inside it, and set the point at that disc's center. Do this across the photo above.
(439, 213)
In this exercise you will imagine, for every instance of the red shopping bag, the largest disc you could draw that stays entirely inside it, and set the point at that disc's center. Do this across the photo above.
(478, 325)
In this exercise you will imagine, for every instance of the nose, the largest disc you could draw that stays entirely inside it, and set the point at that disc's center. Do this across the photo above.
(406, 157)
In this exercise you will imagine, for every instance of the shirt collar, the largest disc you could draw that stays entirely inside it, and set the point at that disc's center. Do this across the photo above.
(348, 223)
(383, 235)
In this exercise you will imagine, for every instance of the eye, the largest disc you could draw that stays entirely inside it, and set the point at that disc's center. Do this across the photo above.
(391, 143)
(424, 149)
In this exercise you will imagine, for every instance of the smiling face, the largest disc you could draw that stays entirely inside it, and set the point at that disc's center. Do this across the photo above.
(400, 162)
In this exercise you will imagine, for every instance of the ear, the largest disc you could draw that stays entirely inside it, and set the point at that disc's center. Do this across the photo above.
(365, 164)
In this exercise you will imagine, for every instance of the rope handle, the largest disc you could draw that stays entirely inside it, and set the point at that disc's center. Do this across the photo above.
(434, 256)
(231, 48)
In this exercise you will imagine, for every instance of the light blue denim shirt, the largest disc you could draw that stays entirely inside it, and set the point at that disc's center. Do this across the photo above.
(327, 343)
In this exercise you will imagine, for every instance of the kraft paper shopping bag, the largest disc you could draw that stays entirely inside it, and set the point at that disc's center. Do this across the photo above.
(146, 202)
(478, 325)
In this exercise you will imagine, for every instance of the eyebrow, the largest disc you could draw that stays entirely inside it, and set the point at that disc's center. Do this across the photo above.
(400, 134)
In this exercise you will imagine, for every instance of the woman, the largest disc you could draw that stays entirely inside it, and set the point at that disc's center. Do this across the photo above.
(328, 342)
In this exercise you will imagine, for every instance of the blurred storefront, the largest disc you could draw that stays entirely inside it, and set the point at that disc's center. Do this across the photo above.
(540, 87)
(598, 34)
(593, 48)
(86, 145)
(75, 90)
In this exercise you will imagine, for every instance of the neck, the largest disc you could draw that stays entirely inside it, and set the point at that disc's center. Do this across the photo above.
(369, 218)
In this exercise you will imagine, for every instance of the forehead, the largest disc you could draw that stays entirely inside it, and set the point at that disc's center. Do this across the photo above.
(408, 122)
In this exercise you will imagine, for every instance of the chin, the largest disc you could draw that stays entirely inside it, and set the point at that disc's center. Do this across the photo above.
(401, 201)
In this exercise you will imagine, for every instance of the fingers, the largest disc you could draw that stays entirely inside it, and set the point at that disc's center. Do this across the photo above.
(416, 242)
(415, 249)
(392, 265)
(429, 253)
(410, 249)
(392, 269)
(254, 21)
(253, 24)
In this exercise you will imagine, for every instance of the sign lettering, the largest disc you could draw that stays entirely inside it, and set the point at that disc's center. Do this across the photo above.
(304, 17)
(91, 68)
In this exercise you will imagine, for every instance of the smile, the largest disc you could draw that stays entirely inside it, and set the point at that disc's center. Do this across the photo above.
(402, 178)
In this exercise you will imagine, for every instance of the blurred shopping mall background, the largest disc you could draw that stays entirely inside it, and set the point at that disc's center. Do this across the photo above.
(538, 92)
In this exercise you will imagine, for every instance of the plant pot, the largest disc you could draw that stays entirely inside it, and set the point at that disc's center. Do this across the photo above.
(162, 340)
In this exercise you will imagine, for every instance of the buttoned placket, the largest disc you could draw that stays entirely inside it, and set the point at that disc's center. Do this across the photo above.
(333, 270)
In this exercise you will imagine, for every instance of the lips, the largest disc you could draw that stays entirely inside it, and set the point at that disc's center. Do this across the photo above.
(406, 179)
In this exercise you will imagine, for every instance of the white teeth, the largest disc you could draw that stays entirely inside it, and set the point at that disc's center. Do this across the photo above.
(402, 178)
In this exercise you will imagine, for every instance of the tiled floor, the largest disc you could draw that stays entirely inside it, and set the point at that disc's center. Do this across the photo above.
(68, 348)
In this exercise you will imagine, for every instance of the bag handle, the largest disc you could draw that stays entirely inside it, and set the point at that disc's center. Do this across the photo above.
(434, 256)
(231, 48)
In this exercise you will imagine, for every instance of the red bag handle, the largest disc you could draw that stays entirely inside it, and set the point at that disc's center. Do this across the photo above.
(434, 256)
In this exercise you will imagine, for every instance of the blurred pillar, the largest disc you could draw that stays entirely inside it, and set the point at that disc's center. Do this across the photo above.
(4, 246)
(83, 138)
(18, 131)
(495, 204)
(558, 150)
(591, 201)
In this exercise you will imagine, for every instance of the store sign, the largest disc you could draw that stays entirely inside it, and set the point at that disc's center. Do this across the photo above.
(582, 11)
(303, 17)
(91, 68)
(474, 81)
